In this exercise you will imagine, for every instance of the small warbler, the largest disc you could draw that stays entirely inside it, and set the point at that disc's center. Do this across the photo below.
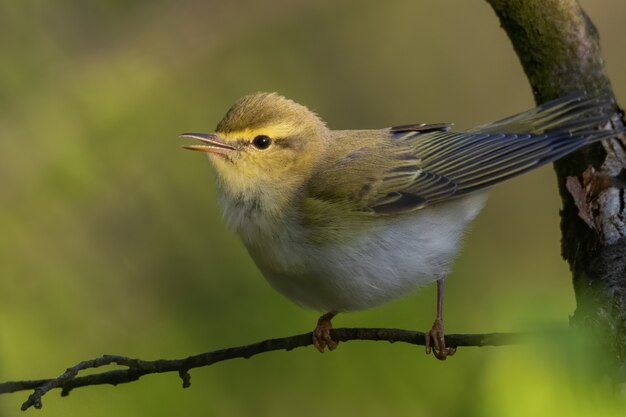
(342, 220)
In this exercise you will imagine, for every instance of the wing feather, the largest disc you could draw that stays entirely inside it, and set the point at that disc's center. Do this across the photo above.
(453, 163)
(408, 167)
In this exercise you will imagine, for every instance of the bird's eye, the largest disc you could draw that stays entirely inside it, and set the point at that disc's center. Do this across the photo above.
(262, 142)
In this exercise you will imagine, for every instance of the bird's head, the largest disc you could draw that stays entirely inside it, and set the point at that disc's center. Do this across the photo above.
(265, 145)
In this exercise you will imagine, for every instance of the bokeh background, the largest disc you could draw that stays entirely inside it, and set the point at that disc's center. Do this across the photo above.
(111, 240)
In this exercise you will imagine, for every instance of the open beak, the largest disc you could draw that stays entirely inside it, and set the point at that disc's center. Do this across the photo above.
(211, 143)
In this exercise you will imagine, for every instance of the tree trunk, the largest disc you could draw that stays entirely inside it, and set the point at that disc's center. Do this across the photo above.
(558, 47)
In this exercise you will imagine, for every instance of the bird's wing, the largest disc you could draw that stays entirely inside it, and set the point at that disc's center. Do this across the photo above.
(408, 167)
(412, 170)
(450, 164)
(421, 128)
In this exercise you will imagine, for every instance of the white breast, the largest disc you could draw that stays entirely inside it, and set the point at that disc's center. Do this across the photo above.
(388, 261)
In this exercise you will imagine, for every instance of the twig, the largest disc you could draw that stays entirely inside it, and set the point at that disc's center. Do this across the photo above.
(138, 367)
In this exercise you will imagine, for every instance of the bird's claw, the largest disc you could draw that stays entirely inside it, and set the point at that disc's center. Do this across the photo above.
(321, 334)
(439, 349)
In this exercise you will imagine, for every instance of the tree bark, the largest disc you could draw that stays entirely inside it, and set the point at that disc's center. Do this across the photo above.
(559, 49)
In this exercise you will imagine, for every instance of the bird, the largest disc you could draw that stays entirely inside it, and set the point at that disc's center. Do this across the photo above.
(346, 220)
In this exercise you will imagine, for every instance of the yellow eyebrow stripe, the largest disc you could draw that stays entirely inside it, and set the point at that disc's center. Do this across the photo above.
(273, 131)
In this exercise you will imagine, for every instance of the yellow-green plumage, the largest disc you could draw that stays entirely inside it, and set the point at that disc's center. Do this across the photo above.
(346, 220)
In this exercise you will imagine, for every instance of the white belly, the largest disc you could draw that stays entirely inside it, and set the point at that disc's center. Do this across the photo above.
(375, 267)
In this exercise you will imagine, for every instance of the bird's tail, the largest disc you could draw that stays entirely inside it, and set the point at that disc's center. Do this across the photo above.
(578, 114)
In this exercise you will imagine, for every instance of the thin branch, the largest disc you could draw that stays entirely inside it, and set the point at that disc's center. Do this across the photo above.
(138, 367)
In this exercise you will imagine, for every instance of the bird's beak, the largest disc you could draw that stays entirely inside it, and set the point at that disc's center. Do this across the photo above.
(212, 143)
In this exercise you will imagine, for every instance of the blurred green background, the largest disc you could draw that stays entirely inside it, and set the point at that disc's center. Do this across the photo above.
(111, 241)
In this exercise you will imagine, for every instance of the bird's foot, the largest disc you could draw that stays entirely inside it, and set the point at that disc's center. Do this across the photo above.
(436, 335)
(321, 334)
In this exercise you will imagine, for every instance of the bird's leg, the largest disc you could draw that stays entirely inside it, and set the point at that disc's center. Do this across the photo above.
(436, 333)
(321, 334)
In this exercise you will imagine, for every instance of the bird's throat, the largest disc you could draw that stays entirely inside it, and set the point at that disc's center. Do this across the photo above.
(254, 214)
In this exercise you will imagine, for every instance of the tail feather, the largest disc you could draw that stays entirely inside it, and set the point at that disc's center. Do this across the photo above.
(577, 114)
